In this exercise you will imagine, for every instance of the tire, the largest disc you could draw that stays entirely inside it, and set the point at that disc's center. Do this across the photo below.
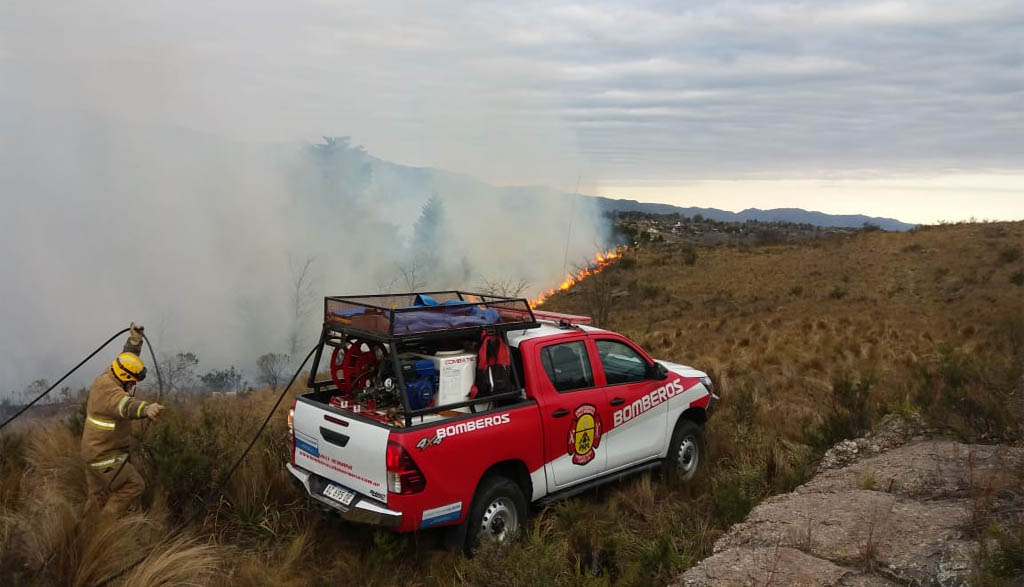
(498, 512)
(686, 452)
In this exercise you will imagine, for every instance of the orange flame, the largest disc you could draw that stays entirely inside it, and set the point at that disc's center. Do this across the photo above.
(601, 261)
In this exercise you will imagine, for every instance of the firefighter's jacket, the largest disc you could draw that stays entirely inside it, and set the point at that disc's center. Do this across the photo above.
(108, 415)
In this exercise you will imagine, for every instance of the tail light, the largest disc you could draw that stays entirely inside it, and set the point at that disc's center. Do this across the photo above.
(291, 429)
(404, 477)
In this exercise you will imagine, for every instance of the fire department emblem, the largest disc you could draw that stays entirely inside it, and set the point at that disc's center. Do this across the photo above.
(584, 434)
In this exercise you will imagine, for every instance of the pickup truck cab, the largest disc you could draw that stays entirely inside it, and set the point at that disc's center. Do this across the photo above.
(585, 406)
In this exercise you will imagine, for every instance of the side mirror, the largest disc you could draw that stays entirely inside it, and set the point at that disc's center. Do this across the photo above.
(658, 371)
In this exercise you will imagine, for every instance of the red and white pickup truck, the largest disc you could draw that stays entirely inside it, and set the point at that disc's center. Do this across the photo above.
(586, 406)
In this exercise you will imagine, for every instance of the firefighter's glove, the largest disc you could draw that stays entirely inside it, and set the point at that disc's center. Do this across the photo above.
(153, 410)
(136, 330)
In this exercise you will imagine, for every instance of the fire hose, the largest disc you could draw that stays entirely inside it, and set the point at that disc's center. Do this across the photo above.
(220, 485)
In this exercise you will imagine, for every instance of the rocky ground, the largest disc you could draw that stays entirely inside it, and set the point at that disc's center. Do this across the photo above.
(900, 507)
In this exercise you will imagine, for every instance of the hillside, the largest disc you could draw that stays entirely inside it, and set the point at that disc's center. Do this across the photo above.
(813, 343)
(808, 343)
(398, 186)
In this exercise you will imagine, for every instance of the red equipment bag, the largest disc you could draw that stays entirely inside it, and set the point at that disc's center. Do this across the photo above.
(493, 367)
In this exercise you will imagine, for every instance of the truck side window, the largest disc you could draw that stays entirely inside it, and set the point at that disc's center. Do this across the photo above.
(621, 363)
(567, 365)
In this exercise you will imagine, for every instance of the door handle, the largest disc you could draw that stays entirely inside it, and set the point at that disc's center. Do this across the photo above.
(560, 413)
(617, 401)
(333, 437)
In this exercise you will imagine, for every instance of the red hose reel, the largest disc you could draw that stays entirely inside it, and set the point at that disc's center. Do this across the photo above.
(354, 363)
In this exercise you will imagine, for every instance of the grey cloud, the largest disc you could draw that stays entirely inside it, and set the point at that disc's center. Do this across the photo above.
(419, 82)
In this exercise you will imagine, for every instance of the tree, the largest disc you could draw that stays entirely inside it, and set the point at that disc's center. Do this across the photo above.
(428, 235)
(271, 369)
(506, 287)
(596, 291)
(428, 232)
(223, 380)
(179, 371)
(35, 388)
(411, 275)
(303, 295)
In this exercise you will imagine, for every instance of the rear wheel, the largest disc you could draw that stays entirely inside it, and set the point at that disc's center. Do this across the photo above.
(498, 512)
(687, 452)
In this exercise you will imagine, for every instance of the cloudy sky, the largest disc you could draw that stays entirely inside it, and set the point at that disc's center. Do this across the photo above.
(912, 109)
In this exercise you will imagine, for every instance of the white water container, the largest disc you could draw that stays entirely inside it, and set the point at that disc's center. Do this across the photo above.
(458, 372)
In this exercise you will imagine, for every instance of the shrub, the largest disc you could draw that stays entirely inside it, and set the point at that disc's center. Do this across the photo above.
(1009, 254)
(796, 291)
(689, 254)
(837, 293)
(626, 263)
(969, 393)
(850, 413)
(769, 236)
(223, 380)
(735, 494)
(12, 465)
(1001, 557)
(650, 292)
(185, 455)
(1018, 277)
(745, 407)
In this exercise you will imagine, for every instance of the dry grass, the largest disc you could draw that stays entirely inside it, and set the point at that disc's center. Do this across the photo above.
(925, 323)
(182, 561)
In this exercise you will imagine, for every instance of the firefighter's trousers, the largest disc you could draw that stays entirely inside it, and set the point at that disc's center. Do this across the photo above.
(123, 492)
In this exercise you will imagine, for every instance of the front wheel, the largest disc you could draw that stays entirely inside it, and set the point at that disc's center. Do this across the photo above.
(687, 451)
(498, 512)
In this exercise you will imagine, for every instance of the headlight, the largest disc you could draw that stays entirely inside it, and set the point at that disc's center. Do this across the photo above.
(291, 421)
(707, 383)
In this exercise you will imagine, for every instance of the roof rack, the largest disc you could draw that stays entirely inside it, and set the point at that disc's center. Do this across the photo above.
(396, 320)
(413, 316)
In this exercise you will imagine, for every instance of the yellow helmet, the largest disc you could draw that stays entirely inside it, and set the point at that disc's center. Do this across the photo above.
(128, 367)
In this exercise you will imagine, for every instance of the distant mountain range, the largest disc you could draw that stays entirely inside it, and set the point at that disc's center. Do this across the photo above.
(794, 215)
(401, 190)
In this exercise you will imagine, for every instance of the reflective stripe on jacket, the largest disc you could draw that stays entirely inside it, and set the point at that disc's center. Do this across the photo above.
(107, 462)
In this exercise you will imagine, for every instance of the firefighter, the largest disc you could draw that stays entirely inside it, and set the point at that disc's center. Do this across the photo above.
(113, 482)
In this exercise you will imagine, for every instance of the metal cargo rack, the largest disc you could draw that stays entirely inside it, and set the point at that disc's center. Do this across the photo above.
(395, 320)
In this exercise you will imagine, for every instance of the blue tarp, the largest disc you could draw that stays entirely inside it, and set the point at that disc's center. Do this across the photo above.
(435, 316)
(454, 314)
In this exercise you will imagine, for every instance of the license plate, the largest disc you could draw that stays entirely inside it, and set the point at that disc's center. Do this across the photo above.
(342, 496)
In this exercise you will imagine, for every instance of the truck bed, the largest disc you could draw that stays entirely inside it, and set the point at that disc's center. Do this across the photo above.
(382, 417)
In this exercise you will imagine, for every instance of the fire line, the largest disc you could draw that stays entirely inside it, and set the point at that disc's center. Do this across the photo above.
(601, 261)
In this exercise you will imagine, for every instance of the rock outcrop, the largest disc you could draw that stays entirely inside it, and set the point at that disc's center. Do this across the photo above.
(895, 508)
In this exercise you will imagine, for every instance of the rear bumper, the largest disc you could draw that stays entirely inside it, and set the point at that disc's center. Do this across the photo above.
(363, 510)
